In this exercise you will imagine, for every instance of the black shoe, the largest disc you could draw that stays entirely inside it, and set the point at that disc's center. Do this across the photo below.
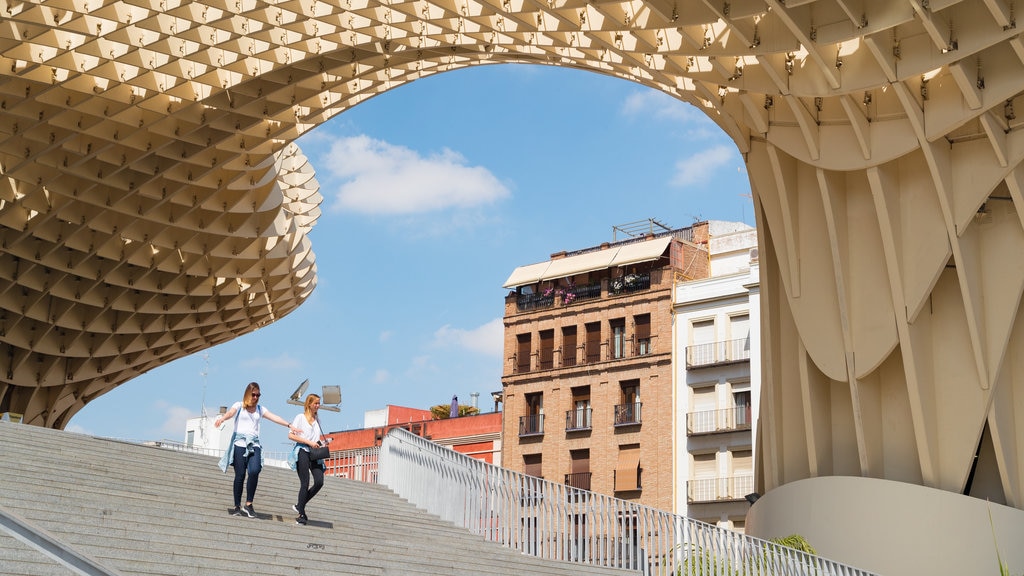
(236, 511)
(301, 519)
(248, 511)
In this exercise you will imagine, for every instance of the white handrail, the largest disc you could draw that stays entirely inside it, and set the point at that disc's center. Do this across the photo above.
(558, 522)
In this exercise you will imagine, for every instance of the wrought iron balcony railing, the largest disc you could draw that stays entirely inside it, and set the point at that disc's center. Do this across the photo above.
(578, 419)
(627, 414)
(531, 425)
(579, 480)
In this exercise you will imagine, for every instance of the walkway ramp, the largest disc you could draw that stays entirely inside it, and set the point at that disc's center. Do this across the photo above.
(72, 504)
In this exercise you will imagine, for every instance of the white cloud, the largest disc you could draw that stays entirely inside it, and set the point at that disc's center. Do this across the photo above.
(173, 427)
(382, 178)
(384, 336)
(487, 339)
(659, 104)
(381, 376)
(702, 166)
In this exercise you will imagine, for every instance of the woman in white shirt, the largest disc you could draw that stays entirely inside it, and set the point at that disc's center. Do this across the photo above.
(244, 452)
(306, 433)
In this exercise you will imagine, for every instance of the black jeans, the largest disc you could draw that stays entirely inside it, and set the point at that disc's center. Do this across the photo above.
(304, 469)
(242, 464)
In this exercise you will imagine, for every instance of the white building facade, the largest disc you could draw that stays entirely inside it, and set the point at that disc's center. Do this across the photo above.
(716, 331)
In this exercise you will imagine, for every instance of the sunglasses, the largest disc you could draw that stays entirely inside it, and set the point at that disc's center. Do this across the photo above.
(255, 394)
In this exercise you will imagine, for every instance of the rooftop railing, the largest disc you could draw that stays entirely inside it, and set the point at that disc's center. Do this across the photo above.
(560, 522)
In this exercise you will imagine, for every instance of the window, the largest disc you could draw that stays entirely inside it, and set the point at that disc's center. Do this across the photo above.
(547, 350)
(627, 469)
(742, 463)
(742, 481)
(569, 346)
(523, 353)
(741, 408)
(579, 417)
(704, 416)
(592, 347)
(701, 352)
(579, 471)
(704, 485)
(739, 337)
(190, 438)
(533, 422)
(642, 329)
(532, 465)
(618, 327)
(628, 411)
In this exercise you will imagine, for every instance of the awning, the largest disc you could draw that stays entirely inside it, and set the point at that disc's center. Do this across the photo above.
(571, 265)
(641, 251)
(524, 275)
(588, 262)
(627, 469)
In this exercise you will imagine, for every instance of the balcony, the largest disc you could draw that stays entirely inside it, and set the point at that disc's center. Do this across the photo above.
(630, 283)
(719, 489)
(577, 420)
(532, 425)
(578, 480)
(627, 414)
(712, 421)
(714, 353)
(525, 302)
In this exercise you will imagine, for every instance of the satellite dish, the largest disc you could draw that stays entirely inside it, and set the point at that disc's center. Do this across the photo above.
(296, 397)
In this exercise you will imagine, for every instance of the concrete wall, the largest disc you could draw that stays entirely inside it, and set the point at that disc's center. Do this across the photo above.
(893, 528)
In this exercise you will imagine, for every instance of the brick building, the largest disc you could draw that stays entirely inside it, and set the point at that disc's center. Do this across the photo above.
(587, 377)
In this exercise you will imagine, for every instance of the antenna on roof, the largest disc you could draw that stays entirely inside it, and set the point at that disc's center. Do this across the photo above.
(202, 410)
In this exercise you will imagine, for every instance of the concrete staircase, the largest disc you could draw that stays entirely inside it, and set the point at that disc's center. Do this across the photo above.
(75, 504)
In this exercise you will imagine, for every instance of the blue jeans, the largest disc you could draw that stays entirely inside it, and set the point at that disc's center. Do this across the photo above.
(252, 465)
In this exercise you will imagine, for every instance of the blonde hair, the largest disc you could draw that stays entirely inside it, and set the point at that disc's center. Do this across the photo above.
(248, 401)
(309, 401)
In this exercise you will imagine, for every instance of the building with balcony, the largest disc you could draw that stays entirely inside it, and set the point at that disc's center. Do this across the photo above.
(587, 378)
(717, 380)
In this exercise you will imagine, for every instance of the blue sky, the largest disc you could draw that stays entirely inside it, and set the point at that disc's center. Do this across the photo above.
(433, 193)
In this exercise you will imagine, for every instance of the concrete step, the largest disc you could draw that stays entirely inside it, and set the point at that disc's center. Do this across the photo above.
(143, 510)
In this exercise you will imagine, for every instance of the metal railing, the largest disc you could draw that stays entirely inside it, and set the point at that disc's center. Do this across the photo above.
(627, 414)
(724, 420)
(273, 457)
(534, 301)
(630, 283)
(579, 480)
(719, 489)
(559, 522)
(359, 464)
(531, 425)
(723, 352)
(578, 419)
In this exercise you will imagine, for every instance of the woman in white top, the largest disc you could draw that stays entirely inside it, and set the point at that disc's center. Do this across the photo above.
(244, 451)
(306, 433)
